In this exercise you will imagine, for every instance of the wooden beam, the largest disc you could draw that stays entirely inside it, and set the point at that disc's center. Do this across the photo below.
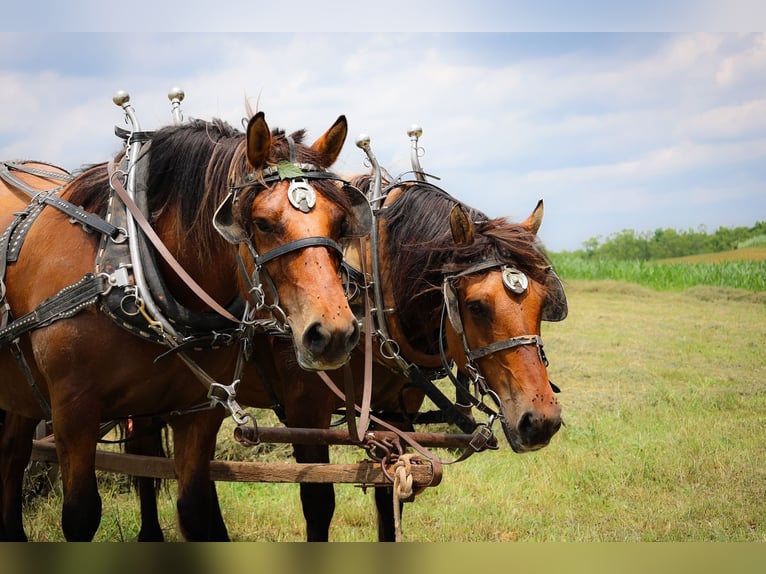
(335, 436)
(362, 473)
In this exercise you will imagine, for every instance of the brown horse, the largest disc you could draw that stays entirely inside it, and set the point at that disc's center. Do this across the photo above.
(82, 362)
(498, 285)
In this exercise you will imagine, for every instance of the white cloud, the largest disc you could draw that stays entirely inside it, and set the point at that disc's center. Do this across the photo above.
(638, 118)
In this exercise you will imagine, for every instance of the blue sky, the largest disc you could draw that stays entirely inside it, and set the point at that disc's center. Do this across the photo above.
(613, 130)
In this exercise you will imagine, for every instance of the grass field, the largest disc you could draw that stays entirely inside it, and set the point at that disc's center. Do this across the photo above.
(744, 254)
(738, 269)
(664, 398)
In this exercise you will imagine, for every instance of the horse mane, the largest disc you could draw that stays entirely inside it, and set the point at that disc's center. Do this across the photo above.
(191, 168)
(179, 158)
(421, 251)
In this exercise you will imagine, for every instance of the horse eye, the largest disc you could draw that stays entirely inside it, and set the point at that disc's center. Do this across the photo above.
(478, 309)
(263, 225)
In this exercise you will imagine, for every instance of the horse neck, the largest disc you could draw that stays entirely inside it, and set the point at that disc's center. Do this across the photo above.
(213, 269)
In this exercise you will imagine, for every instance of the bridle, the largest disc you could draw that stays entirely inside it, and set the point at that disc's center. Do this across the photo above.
(302, 197)
(515, 281)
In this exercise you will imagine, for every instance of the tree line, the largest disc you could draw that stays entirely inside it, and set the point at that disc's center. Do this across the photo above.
(665, 243)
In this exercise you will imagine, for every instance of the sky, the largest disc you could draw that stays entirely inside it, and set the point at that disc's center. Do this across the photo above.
(618, 118)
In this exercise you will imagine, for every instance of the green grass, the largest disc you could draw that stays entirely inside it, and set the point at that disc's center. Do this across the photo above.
(673, 275)
(664, 398)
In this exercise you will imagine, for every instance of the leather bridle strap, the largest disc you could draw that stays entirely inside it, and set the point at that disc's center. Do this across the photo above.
(502, 345)
(302, 243)
(155, 240)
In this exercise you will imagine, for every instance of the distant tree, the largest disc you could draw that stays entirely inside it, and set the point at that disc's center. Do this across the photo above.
(591, 246)
(625, 245)
(667, 243)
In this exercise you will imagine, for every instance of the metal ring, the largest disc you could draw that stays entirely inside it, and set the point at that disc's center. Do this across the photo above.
(389, 344)
(135, 302)
(121, 237)
(280, 317)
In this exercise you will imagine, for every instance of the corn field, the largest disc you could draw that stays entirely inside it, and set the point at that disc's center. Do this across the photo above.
(666, 276)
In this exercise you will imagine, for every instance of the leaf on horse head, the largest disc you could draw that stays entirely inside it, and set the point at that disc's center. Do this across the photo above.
(288, 170)
(461, 226)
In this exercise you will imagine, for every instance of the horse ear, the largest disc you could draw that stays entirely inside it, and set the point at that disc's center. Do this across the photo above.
(535, 220)
(461, 226)
(331, 142)
(258, 141)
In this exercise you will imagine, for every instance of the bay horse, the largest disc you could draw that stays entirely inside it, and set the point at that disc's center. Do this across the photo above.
(232, 208)
(494, 281)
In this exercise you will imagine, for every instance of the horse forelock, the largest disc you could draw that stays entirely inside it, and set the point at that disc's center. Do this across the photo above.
(280, 151)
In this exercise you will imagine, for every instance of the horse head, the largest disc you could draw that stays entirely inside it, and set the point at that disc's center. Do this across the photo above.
(495, 311)
(288, 214)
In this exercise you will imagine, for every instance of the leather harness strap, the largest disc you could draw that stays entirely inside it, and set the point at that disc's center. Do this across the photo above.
(50, 197)
(66, 303)
(146, 227)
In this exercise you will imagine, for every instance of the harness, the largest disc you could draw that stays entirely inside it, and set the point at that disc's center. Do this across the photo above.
(554, 310)
(515, 281)
(127, 281)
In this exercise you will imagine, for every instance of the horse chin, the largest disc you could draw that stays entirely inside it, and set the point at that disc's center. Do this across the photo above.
(309, 362)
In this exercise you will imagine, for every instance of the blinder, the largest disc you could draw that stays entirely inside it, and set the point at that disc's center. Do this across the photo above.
(224, 222)
(556, 307)
(362, 213)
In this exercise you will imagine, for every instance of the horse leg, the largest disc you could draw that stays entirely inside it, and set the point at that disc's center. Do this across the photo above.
(15, 452)
(194, 439)
(145, 439)
(76, 431)
(218, 529)
(318, 500)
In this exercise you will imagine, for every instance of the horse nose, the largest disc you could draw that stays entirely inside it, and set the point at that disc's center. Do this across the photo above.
(321, 341)
(536, 429)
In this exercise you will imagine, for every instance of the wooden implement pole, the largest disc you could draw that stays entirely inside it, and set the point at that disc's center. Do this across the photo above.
(362, 473)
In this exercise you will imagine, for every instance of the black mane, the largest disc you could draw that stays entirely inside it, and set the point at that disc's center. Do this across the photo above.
(191, 168)
(421, 251)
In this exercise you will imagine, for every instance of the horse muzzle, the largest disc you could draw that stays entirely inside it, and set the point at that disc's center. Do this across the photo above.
(326, 347)
(532, 431)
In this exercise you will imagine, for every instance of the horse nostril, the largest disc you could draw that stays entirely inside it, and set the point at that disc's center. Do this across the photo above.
(316, 338)
(538, 429)
(526, 424)
(353, 337)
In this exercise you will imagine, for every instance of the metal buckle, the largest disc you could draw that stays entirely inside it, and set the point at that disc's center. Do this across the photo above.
(481, 437)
